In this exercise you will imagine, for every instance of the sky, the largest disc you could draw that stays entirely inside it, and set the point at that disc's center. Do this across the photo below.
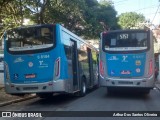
(149, 8)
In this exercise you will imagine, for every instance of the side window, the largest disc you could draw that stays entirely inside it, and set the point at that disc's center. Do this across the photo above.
(83, 59)
(68, 52)
(94, 57)
(82, 55)
(95, 62)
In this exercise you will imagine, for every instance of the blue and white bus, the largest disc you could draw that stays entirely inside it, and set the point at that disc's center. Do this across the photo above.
(127, 60)
(47, 59)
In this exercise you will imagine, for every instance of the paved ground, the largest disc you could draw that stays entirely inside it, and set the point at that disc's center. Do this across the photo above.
(157, 85)
(8, 99)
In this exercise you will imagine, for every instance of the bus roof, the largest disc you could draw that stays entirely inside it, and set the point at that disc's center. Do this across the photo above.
(77, 37)
(126, 30)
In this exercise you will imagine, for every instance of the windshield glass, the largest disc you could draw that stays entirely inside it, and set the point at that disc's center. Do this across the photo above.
(125, 41)
(31, 38)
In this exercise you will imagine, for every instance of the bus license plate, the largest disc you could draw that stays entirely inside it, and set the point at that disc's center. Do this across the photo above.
(30, 76)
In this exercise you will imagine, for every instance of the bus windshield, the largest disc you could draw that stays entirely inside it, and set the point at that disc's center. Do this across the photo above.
(30, 39)
(126, 41)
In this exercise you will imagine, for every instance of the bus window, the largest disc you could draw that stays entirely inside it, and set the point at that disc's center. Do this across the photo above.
(30, 39)
(114, 41)
(68, 52)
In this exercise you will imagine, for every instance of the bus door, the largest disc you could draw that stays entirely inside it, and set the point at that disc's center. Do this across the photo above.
(74, 64)
(90, 67)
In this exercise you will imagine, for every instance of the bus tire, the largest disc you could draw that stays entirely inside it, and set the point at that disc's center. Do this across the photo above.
(83, 88)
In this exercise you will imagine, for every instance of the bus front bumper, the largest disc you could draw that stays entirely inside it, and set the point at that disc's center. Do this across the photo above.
(128, 82)
(52, 86)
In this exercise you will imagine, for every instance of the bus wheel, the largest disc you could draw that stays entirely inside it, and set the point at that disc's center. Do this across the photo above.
(83, 88)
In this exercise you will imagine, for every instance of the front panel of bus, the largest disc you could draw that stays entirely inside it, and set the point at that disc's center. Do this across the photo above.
(32, 59)
(127, 59)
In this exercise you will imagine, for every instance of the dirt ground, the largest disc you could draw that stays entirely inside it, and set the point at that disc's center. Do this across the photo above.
(4, 97)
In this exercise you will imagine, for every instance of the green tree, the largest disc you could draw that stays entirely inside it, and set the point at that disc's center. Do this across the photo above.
(107, 14)
(10, 14)
(130, 19)
(99, 17)
(84, 17)
(66, 12)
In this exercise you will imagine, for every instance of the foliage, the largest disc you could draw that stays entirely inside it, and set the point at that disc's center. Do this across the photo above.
(83, 17)
(99, 17)
(130, 19)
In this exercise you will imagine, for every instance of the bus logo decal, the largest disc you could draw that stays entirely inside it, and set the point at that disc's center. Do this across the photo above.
(138, 62)
(42, 64)
(138, 70)
(30, 64)
(19, 59)
(113, 58)
(124, 58)
(112, 72)
(16, 76)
